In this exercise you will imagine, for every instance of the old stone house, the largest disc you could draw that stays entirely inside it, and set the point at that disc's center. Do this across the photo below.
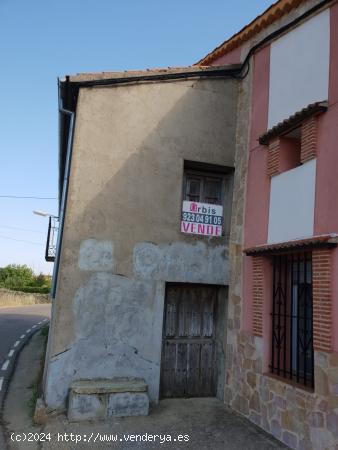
(198, 228)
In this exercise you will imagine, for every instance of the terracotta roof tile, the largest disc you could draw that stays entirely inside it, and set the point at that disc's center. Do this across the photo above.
(293, 121)
(326, 240)
(270, 15)
(148, 72)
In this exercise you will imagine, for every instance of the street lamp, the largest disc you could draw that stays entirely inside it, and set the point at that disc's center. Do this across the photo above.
(51, 235)
(44, 214)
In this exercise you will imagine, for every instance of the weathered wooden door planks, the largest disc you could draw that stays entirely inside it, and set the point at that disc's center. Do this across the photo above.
(188, 350)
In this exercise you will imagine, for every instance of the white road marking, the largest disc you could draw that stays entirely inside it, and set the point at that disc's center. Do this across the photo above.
(45, 320)
(11, 353)
(39, 323)
(28, 331)
(22, 336)
(1, 382)
(34, 326)
(5, 365)
(16, 343)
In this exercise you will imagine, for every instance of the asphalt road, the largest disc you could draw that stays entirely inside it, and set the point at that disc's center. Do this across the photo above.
(14, 322)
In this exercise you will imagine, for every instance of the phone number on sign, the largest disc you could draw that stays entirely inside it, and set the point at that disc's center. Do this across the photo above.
(202, 218)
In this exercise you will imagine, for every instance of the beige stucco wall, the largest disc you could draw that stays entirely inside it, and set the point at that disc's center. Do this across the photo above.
(122, 238)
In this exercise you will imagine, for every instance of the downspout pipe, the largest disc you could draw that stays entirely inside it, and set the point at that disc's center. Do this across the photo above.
(62, 211)
(63, 203)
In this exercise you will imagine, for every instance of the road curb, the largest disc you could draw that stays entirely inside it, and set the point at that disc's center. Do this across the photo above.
(5, 379)
(8, 375)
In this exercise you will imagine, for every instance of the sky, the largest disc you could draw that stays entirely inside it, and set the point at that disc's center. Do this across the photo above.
(41, 40)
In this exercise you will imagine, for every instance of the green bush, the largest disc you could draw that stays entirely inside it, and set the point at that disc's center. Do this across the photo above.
(33, 289)
(15, 275)
(22, 278)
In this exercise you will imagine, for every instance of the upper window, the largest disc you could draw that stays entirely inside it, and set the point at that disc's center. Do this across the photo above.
(292, 329)
(203, 188)
(212, 184)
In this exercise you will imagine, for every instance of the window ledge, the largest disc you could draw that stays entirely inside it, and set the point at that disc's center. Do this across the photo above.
(289, 382)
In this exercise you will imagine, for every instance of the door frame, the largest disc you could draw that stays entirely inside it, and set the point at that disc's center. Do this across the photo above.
(220, 334)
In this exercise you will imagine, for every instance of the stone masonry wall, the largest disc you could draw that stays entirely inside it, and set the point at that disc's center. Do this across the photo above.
(18, 298)
(302, 420)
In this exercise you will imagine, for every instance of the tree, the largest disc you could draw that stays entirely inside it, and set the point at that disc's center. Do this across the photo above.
(40, 280)
(15, 275)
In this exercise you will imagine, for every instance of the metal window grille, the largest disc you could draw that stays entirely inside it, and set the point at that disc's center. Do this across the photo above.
(292, 330)
(53, 228)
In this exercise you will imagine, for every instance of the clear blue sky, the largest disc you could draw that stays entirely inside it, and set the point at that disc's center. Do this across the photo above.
(43, 39)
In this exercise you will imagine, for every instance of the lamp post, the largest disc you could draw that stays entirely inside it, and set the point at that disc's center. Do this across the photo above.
(52, 228)
(44, 214)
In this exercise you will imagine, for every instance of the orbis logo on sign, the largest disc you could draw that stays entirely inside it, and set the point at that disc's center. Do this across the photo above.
(202, 218)
(202, 208)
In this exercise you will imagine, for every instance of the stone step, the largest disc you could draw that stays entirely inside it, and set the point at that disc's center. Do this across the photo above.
(109, 386)
(98, 399)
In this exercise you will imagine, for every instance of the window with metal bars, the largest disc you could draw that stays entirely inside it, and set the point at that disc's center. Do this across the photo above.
(292, 330)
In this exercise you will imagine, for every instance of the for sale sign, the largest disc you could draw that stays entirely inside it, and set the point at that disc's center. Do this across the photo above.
(202, 218)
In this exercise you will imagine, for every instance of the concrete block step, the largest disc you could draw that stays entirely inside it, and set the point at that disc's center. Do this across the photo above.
(98, 399)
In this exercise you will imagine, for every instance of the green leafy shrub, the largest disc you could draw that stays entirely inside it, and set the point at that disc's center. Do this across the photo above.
(15, 275)
(22, 278)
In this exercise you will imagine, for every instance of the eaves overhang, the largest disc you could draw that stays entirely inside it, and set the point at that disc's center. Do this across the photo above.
(275, 12)
(69, 90)
(293, 122)
(321, 241)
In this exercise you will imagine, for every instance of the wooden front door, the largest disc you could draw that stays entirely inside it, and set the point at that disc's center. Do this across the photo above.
(188, 350)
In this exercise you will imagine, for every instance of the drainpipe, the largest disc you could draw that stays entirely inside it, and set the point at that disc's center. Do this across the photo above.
(62, 211)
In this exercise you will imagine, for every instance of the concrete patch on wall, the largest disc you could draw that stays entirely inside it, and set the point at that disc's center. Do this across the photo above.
(59, 376)
(96, 255)
(118, 320)
(118, 325)
(182, 262)
(147, 258)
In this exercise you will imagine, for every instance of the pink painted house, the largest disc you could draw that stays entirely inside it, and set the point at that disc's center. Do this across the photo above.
(283, 297)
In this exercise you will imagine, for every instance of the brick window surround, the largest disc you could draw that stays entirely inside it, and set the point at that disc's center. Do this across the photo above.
(282, 157)
(258, 287)
(321, 291)
(322, 308)
(273, 158)
(309, 139)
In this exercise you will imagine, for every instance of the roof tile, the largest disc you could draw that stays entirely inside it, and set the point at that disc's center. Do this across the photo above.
(270, 15)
